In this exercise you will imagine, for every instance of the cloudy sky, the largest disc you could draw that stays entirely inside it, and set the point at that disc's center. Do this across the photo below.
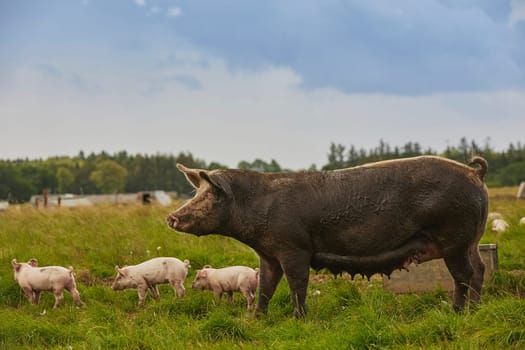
(231, 80)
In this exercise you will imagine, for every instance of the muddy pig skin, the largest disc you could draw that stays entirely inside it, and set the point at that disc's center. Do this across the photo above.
(368, 219)
(149, 274)
(228, 280)
(34, 280)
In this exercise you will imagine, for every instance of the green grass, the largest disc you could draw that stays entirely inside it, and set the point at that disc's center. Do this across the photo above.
(341, 314)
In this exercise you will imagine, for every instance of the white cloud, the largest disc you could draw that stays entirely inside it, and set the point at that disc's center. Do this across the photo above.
(174, 12)
(517, 8)
(140, 2)
(153, 10)
(235, 116)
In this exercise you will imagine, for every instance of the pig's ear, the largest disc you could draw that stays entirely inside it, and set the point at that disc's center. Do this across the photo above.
(218, 180)
(191, 174)
(15, 264)
(121, 271)
(206, 267)
(33, 262)
(203, 274)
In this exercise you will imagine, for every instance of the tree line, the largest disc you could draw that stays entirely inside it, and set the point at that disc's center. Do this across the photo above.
(506, 168)
(123, 172)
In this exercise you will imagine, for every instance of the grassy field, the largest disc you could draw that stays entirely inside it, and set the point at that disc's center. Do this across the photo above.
(342, 314)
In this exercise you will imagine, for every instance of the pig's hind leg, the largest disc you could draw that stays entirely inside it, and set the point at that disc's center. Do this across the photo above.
(59, 296)
(178, 287)
(477, 278)
(296, 267)
(250, 297)
(75, 295)
(72, 289)
(460, 267)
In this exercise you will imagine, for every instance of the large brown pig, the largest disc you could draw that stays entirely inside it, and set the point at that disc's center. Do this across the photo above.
(367, 219)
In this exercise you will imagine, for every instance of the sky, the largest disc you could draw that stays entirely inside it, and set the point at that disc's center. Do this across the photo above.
(233, 80)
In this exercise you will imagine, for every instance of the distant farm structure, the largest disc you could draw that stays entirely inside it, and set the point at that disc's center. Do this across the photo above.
(521, 191)
(71, 200)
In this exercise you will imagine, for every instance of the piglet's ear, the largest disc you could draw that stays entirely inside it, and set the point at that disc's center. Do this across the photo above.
(33, 262)
(203, 274)
(123, 272)
(15, 264)
(206, 267)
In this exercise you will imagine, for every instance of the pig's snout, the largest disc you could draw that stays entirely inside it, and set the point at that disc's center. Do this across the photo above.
(172, 220)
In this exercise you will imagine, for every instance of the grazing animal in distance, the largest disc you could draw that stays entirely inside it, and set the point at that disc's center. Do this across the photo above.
(499, 225)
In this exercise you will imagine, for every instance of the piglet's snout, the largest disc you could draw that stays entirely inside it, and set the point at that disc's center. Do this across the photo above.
(172, 220)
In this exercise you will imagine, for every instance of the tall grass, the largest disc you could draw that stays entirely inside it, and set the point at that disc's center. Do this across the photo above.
(342, 314)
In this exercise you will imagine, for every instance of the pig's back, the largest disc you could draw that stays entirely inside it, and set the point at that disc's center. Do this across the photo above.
(161, 269)
(48, 277)
(378, 205)
(236, 276)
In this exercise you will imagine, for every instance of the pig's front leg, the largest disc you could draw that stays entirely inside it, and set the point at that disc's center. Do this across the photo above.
(29, 294)
(154, 291)
(270, 273)
(36, 297)
(230, 297)
(218, 295)
(142, 290)
(296, 266)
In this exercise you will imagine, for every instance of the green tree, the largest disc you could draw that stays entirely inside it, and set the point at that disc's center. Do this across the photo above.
(260, 166)
(13, 185)
(64, 179)
(511, 175)
(109, 176)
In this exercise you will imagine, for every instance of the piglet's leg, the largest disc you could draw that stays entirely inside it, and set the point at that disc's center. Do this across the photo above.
(29, 294)
(218, 295)
(154, 291)
(36, 297)
(58, 298)
(142, 290)
(76, 296)
(178, 288)
(230, 297)
(250, 297)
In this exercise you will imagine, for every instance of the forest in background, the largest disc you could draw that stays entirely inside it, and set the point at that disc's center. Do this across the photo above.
(123, 172)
